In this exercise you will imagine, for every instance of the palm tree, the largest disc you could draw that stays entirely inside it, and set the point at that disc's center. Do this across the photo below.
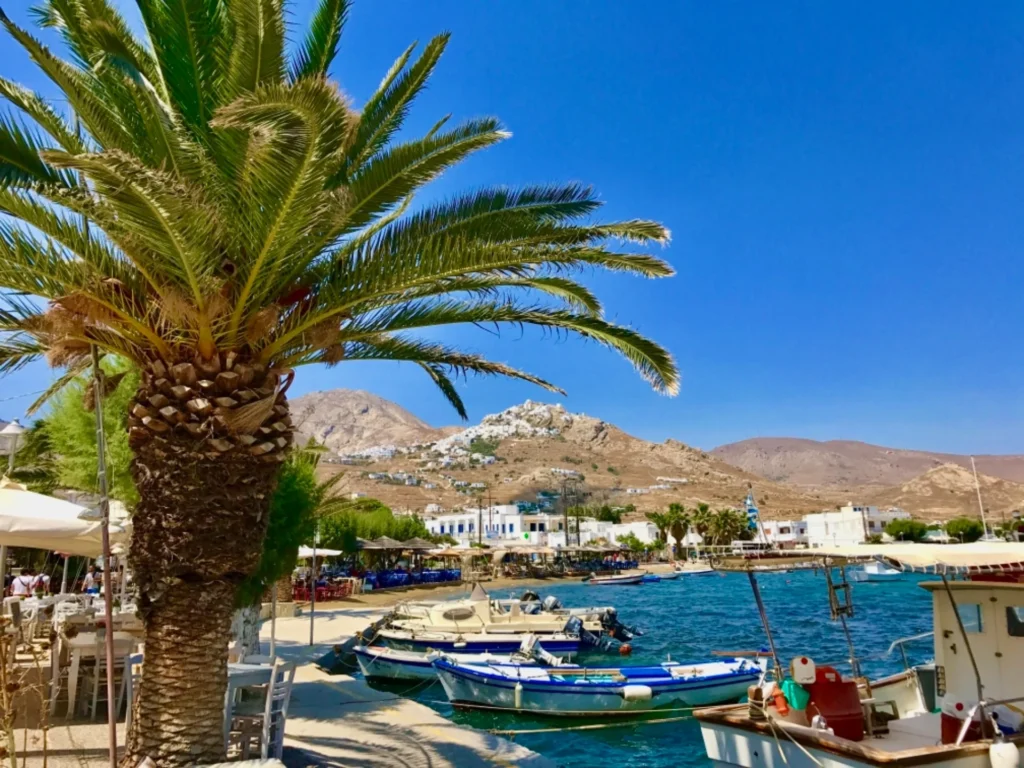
(680, 525)
(662, 522)
(702, 519)
(224, 215)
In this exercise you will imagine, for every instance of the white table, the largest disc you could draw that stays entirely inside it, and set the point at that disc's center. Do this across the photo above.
(242, 676)
(83, 646)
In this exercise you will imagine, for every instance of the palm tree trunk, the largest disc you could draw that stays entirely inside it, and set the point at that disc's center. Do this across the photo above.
(197, 533)
(285, 590)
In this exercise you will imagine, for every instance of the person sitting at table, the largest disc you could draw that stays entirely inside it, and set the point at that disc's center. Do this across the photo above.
(22, 584)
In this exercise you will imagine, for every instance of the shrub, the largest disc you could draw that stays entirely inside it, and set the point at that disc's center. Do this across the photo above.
(966, 529)
(907, 530)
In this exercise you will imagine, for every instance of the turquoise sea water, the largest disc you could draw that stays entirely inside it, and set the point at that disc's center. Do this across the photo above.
(690, 617)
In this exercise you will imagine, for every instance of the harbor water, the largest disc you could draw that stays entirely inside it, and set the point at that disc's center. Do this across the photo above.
(687, 619)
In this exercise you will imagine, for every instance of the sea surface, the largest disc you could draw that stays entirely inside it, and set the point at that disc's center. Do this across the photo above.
(692, 616)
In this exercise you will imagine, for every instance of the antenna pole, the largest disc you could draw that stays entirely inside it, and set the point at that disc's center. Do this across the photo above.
(977, 487)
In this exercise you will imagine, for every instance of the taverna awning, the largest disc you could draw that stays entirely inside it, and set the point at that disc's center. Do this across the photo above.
(307, 552)
(33, 520)
(979, 557)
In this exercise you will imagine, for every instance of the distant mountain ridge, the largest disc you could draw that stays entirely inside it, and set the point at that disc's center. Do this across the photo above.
(533, 447)
(843, 463)
(347, 420)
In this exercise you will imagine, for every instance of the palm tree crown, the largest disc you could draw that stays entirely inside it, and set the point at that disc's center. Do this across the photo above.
(221, 197)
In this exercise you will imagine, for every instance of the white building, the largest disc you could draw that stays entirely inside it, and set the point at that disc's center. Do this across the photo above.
(785, 533)
(494, 524)
(433, 509)
(647, 533)
(850, 524)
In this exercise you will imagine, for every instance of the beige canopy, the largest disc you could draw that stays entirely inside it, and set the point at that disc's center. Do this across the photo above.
(33, 520)
(979, 557)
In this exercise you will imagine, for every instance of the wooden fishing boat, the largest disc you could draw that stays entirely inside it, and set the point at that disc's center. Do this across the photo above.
(962, 711)
(558, 643)
(618, 580)
(382, 662)
(588, 691)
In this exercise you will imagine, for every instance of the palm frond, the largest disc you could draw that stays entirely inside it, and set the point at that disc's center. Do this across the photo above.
(187, 36)
(318, 50)
(387, 109)
(46, 117)
(82, 91)
(20, 163)
(393, 174)
(257, 49)
(73, 372)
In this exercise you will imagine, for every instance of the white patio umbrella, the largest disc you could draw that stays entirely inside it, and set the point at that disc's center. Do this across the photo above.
(33, 520)
(307, 552)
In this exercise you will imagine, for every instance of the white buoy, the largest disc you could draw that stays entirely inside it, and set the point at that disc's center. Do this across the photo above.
(1003, 754)
(519, 696)
(637, 693)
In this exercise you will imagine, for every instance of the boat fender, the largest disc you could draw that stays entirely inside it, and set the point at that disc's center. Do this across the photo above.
(1003, 754)
(518, 696)
(779, 699)
(637, 692)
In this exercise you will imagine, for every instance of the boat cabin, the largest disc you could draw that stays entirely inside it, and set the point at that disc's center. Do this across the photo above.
(964, 710)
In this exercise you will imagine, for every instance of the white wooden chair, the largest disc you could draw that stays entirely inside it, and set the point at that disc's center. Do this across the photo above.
(122, 653)
(249, 724)
(130, 686)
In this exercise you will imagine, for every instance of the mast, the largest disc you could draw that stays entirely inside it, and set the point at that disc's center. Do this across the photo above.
(977, 487)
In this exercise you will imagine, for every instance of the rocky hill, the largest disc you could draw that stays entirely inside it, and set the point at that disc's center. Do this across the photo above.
(350, 420)
(532, 448)
(847, 463)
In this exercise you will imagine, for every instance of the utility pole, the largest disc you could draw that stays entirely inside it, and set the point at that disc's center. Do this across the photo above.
(565, 511)
(479, 518)
(981, 506)
(490, 512)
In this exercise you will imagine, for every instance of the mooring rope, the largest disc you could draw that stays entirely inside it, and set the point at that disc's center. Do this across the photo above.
(593, 727)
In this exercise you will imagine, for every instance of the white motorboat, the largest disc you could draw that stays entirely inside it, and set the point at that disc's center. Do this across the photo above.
(478, 613)
(381, 662)
(588, 691)
(876, 571)
(941, 715)
(558, 643)
(694, 568)
(613, 581)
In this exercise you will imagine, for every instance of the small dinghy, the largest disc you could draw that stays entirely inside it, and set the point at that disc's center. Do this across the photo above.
(650, 578)
(380, 662)
(613, 581)
(695, 568)
(669, 576)
(588, 691)
(559, 643)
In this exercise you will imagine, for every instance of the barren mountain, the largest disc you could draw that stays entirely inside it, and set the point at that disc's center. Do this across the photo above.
(530, 448)
(941, 492)
(846, 463)
(348, 420)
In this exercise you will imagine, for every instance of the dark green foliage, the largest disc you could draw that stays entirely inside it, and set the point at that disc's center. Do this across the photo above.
(34, 463)
(292, 516)
(367, 519)
(965, 529)
(907, 530)
(484, 447)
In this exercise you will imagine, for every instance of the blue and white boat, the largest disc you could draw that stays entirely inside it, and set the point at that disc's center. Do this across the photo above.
(381, 662)
(558, 643)
(650, 578)
(587, 691)
(876, 571)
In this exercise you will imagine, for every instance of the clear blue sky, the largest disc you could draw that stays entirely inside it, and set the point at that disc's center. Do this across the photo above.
(843, 182)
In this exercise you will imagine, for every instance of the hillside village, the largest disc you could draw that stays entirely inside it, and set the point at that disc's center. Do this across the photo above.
(504, 478)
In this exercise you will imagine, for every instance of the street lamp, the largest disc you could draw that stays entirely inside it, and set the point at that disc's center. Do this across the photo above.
(12, 432)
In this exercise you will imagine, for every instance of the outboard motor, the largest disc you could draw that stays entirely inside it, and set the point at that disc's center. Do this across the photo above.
(575, 627)
(615, 628)
(529, 596)
(551, 603)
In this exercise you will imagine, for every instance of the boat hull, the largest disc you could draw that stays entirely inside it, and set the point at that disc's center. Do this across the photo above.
(615, 581)
(380, 667)
(559, 647)
(478, 689)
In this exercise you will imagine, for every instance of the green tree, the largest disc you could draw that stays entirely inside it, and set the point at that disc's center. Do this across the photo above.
(728, 525)
(608, 514)
(71, 429)
(965, 529)
(662, 522)
(679, 525)
(35, 464)
(226, 215)
(907, 530)
(631, 542)
(701, 521)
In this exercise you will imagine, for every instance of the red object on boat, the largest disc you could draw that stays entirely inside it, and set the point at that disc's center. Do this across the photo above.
(838, 701)
(953, 716)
